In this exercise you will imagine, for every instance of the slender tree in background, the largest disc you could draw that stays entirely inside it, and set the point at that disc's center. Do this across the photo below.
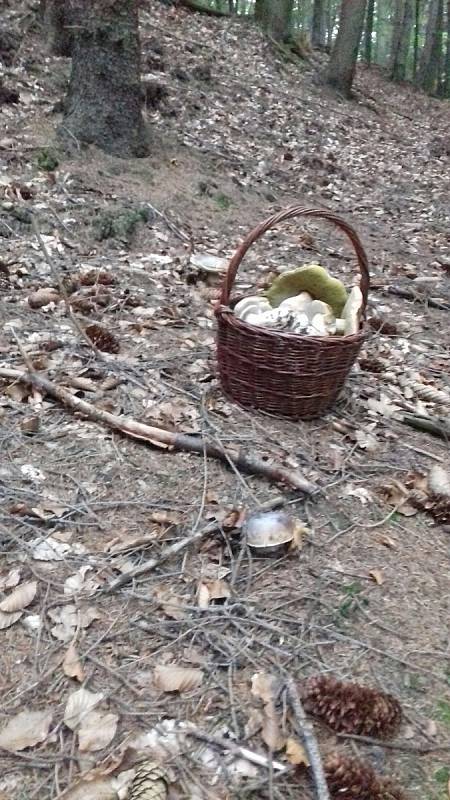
(54, 16)
(318, 24)
(275, 17)
(446, 91)
(432, 50)
(341, 69)
(104, 100)
(368, 34)
(401, 38)
(416, 38)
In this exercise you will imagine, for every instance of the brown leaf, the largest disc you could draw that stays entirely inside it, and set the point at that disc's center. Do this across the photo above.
(6, 620)
(79, 705)
(25, 730)
(96, 731)
(166, 517)
(263, 687)
(377, 576)
(170, 678)
(91, 790)
(296, 754)
(72, 665)
(170, 604)
(208, 591)
(20, 598)
(271, 733)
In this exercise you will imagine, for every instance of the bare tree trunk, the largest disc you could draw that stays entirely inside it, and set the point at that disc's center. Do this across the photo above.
(55, 20)
(318, 24)
(331, 21)
(341, 69)
(369, 31)
(432, 49)
(447, 56)
(104, 101)
(401, 37)
(275, 17)
(416, 38)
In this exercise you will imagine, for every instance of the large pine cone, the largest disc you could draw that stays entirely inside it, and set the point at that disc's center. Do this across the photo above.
(351, 779)
(350, 708)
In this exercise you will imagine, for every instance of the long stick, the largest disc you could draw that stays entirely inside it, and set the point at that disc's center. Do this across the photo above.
(306, 731)
(177, 547)
(170, 440)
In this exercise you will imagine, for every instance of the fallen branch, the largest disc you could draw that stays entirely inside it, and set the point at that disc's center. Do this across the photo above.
(159, 437)
(211, 12)
(306, 731)
(398, 291)
(177, 547)
(236, 749)
(404, 746)
(435, 425)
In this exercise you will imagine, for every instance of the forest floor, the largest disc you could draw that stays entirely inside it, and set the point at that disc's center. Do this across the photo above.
(239, 134)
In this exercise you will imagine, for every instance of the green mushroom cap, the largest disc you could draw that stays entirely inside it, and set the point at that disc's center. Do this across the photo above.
(313, 279)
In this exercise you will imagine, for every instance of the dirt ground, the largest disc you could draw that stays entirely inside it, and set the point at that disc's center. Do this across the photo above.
(366, 596)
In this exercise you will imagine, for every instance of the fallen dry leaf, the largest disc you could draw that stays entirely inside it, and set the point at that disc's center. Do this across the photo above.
(20, 598)
(296, 754)
(96, 731)
(170, 604)
(208, 591)
(387, 542)
(79, 705)
(6, 620)
(170, 678)
(377, 576)
(271, 732)
(263, 686)
(25, 730)
(10, 580)
(72, 665)
(91, 790)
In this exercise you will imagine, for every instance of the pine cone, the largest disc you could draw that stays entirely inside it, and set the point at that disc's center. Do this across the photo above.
(350, 708)
(102, 338)
(351, 779)
(149, 783)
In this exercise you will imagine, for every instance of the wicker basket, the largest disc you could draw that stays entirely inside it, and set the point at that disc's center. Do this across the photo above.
(285, 374)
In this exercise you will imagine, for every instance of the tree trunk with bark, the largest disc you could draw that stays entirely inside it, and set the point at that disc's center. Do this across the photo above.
(342, 65)
(368, 36)
(416, 38)
(275, 18)
(55, 18)
(432, 49)
(401, 38)
(104, 100)
(318, 24)
(447, 56)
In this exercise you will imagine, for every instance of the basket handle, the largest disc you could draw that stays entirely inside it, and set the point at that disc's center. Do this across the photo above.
(289, 213)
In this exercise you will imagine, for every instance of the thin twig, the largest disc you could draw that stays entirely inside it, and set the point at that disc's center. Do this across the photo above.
(407, 748)
(306, 731)
(177, 547)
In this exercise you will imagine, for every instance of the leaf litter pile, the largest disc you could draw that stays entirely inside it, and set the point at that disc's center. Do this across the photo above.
(146, 647)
